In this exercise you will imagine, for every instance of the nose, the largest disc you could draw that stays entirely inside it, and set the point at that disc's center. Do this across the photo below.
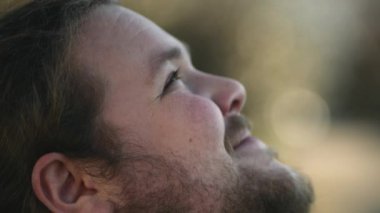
(228, 94)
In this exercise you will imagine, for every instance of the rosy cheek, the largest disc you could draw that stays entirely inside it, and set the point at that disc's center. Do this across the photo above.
(203, 118)
(204, 111)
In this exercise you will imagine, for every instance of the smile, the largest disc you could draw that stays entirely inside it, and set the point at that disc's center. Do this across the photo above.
(247, 141)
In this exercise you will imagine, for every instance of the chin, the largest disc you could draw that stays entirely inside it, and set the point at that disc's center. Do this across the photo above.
(266, 185)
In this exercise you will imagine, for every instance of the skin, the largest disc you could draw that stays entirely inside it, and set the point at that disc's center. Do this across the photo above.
(133, 105)
(176, 140)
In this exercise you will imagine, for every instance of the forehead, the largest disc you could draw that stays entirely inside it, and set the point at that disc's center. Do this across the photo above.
(112, 34)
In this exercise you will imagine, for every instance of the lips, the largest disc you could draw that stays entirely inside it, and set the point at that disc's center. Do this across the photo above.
(237, 132)
(244, 141)
(238, 138)
(233, 139)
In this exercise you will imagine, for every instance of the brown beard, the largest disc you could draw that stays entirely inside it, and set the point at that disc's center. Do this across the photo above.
(270, 191)
(166, 186)
(263, 189)
(253, 191)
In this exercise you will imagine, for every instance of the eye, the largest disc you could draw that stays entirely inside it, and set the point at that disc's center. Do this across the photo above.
(172, 78)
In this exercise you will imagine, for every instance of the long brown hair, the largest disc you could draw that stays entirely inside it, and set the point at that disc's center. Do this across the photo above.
(47, 104)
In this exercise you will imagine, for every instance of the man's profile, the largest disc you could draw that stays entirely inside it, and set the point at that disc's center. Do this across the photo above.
(103, 111)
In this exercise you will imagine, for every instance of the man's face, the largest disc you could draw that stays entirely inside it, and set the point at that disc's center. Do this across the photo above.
(185, 143)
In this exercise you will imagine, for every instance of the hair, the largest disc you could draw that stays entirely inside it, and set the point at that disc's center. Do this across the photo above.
(47, 103)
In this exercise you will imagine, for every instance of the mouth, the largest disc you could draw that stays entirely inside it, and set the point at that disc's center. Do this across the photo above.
(234, 141)
(250, 147)
(244, 142)
(238, 138)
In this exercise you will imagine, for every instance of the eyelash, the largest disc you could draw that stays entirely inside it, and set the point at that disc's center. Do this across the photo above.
(174, 76)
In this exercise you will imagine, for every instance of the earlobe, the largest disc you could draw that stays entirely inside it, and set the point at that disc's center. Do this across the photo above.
(62, 187)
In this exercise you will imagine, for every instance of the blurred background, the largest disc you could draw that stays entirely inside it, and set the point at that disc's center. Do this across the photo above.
(312, 73)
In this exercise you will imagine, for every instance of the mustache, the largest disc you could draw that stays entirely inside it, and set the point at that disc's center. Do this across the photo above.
(234, 124)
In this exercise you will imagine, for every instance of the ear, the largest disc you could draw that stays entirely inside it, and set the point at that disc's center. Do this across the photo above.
(60, 184)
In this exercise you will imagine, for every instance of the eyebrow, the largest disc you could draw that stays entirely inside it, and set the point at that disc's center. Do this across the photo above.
(166, 55)
(176, 52)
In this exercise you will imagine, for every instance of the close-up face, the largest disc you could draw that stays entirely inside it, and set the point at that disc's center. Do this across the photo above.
(189, 106)
(180, 129)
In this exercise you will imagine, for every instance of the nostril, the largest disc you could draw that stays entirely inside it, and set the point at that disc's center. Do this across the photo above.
(235, 105)
(231, 98)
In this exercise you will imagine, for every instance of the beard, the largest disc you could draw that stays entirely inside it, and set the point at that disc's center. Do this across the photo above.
(263, 190)
(163, 184)
(264, 184)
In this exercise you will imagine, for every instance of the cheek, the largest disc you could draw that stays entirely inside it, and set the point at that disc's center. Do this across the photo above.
(205, 116)
(190, 122)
